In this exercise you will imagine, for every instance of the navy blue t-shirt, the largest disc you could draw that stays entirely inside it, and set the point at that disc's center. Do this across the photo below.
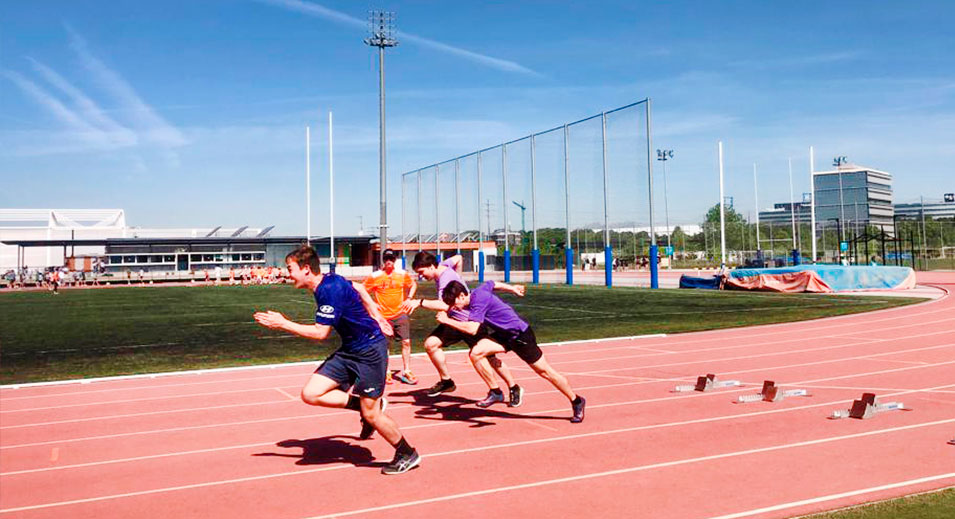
(339, 306)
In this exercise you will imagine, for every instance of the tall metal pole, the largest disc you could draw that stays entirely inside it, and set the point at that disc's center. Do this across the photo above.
(507, 245)
(756, 191)
(480, 228)
(812, 202)
(382, 30)
(924, 236)
(308, 188)
(535, 252)
(331, 194)
(568, 250)
(792, 203)
(654, 280)
(608, 250)
(457, 204)
(382, 176)
(722, 219)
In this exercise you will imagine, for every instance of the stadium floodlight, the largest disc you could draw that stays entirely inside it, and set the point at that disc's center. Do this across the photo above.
(664, 156)
(838, 162)
(382, 28)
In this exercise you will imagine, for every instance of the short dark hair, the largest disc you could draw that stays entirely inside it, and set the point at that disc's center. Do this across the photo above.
(424, 259)
(304, 256)
(452, 291)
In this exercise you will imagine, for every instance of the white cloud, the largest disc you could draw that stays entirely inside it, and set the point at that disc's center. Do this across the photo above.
(314, 9)
(151, 126)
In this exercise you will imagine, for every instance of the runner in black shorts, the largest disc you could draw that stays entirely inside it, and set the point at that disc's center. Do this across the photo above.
(362, 360)
(506, 332)
(427, 266)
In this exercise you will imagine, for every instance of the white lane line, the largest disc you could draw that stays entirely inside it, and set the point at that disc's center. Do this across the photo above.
(626, 471)
(136, 415)
(129, 400)
(484, 448)
(894, 360)
(853, 375)
(207, 408)
(831, 497)
(544, 412)
(290, 397)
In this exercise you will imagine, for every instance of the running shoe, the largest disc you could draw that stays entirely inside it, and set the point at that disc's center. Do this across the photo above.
(442, 386)
(517, 396)
(578, 410)
(406, 377)
(390, 377)
(492, 398)
(367, 429)
(401, 463)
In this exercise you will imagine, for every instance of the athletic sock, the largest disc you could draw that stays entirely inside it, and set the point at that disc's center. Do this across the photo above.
(354, 403)
(402, 447)
(576, 401)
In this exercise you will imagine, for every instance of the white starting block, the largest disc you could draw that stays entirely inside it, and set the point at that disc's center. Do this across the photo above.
(706, 383)
(867, 407)
(772, 393)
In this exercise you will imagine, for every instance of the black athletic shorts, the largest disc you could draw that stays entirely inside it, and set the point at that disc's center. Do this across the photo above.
(449, 336)
(364, 369)
(523, 344)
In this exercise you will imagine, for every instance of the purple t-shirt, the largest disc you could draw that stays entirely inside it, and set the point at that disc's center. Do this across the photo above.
(443, 280)
(487, 308)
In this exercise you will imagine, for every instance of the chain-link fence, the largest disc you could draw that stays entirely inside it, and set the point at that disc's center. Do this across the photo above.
(524, 206)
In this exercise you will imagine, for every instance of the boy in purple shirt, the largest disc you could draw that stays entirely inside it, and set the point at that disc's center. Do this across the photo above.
(506, 331)
(427, 266)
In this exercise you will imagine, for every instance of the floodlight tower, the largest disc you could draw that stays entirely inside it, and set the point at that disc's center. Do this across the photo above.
(837, 163)
(665, 155)
(382, 28)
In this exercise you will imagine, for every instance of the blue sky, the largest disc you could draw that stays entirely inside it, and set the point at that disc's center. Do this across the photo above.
(189, 113)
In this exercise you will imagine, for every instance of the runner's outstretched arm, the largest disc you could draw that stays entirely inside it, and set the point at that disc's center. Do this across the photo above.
(276, 321)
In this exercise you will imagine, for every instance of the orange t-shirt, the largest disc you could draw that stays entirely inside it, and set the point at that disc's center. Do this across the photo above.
(389, 290)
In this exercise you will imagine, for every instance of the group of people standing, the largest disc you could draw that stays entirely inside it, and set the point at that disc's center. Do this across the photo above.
(365, 314)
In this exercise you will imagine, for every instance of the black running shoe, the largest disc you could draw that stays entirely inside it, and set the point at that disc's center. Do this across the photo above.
(578, 410)
(445, 385)
(492, 398)
(517, 396)
(401, 463)
(366, 428)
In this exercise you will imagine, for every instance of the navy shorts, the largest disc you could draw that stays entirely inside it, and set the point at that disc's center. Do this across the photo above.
(364, 370)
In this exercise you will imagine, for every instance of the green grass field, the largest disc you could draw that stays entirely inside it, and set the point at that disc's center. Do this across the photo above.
(934, 505)
(120, 331)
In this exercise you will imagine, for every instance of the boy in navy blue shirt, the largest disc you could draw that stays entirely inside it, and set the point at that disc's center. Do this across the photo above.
(362, 360)
(506, 331)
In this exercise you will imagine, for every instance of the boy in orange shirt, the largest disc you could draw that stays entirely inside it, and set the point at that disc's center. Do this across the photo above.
(387, 286)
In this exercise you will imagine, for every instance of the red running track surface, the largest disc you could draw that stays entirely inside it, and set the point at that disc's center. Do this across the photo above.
(240, 444)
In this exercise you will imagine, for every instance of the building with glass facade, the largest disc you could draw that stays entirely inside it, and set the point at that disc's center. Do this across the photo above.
(854, 195)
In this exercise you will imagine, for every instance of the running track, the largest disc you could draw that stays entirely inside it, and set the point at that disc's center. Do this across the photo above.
(239, 444)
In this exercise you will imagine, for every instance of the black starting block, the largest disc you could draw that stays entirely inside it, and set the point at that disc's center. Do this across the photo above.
(708, 382)
(772, 393)
(867, 407)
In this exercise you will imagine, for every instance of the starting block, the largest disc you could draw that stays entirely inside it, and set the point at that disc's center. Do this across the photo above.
(706, 383)
(772, 393)
(867, 407)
